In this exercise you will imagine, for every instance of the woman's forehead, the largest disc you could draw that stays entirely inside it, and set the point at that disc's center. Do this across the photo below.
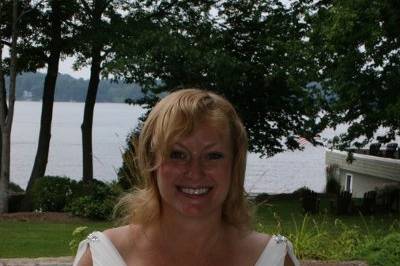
(204, 135)
(207, 128)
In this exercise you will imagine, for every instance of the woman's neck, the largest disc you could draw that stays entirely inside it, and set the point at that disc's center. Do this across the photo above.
(193, 236)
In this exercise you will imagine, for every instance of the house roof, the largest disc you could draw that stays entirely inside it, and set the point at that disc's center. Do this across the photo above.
(380, 167)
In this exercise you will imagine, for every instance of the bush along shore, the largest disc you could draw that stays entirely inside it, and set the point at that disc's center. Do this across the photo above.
(318, 233)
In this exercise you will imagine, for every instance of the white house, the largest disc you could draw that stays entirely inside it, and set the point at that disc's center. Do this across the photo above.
(364, 173)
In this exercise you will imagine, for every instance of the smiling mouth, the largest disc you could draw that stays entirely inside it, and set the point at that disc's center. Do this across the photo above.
(195, 191)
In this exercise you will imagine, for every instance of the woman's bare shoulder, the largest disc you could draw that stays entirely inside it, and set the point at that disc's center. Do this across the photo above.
(117, 235)
(126, 239)
(257, 237)
(123, 236)
(258, 241)
(249, 246)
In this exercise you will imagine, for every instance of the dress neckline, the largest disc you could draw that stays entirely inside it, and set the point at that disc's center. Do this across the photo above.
(108, 242)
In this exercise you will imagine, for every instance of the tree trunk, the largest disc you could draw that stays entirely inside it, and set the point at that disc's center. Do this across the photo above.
(3, 105)
(7, 117)
(87, 124)
(39, 167)
(5, 171)
(3, 182)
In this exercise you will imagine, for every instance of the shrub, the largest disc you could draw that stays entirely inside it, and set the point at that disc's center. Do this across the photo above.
(16, 195)
(12, 187)
(78, 235)
(94, 200)
(261, 198)
(388, 197)
(300, 192)
(51, 193)
(14, 202)
(309, 240)
(348, 241)
(310, 200)
(128, 173)
(383, 252)
(332, 184)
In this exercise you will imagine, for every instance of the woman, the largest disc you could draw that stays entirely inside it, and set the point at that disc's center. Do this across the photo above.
(192, 209)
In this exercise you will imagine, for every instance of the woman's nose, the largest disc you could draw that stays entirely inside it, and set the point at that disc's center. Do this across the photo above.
(195, 168)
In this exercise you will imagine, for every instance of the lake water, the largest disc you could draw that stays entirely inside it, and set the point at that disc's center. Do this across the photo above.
(284, 172)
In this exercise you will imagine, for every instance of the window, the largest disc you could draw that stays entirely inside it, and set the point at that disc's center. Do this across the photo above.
(349, 183)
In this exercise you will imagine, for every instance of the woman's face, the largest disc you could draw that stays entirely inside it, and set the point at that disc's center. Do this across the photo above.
(195, 177)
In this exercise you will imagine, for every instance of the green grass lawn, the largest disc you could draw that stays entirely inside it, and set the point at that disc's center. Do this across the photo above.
(38, 239)
(289, 213)
(320, 232)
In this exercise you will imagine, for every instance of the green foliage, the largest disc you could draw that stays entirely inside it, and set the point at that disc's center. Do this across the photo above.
(252, 52)
(332, 186)
(307, 242)
(383, 252)
(323, 236)
(128, 173)
(261, 198)
(322, 239)
(300, 192)
(357, 49)
(94, 209)
(14, 202)
(14, 187)
(78, 235)
(310, 200)
(350, 237)
(94, 200)
(51, 193)
(389, 197)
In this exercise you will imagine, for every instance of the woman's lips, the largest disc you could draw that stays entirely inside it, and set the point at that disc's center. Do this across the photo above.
(195, 191)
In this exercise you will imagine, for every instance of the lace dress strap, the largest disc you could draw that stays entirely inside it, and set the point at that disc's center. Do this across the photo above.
(275, 252)
(103, 251)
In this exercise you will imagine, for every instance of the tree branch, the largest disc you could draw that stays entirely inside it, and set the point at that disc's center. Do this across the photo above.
(3, 42)
(29, 10)
(162, 12)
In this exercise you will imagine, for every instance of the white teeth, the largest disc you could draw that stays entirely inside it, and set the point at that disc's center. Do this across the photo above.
(195, 191)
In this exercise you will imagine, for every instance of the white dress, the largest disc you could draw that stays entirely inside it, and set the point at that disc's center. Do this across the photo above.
(104, 253)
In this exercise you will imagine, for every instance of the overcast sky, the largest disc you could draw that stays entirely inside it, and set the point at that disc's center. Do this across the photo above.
(65, 67)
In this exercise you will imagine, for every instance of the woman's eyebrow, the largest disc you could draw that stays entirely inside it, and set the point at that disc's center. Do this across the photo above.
(180, 145)
(207, 146)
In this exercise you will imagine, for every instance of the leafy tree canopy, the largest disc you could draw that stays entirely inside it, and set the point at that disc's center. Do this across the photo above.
(357, 44)
(252, 52)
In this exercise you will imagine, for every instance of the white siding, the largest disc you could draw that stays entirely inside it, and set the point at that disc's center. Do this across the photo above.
(369, 172)
(365, 164)
(362, 183)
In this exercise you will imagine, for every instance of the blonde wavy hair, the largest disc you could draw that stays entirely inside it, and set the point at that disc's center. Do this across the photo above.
(175, 116)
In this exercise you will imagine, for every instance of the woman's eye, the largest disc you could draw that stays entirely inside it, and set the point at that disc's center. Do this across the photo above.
(177, 155)
(215, 156)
